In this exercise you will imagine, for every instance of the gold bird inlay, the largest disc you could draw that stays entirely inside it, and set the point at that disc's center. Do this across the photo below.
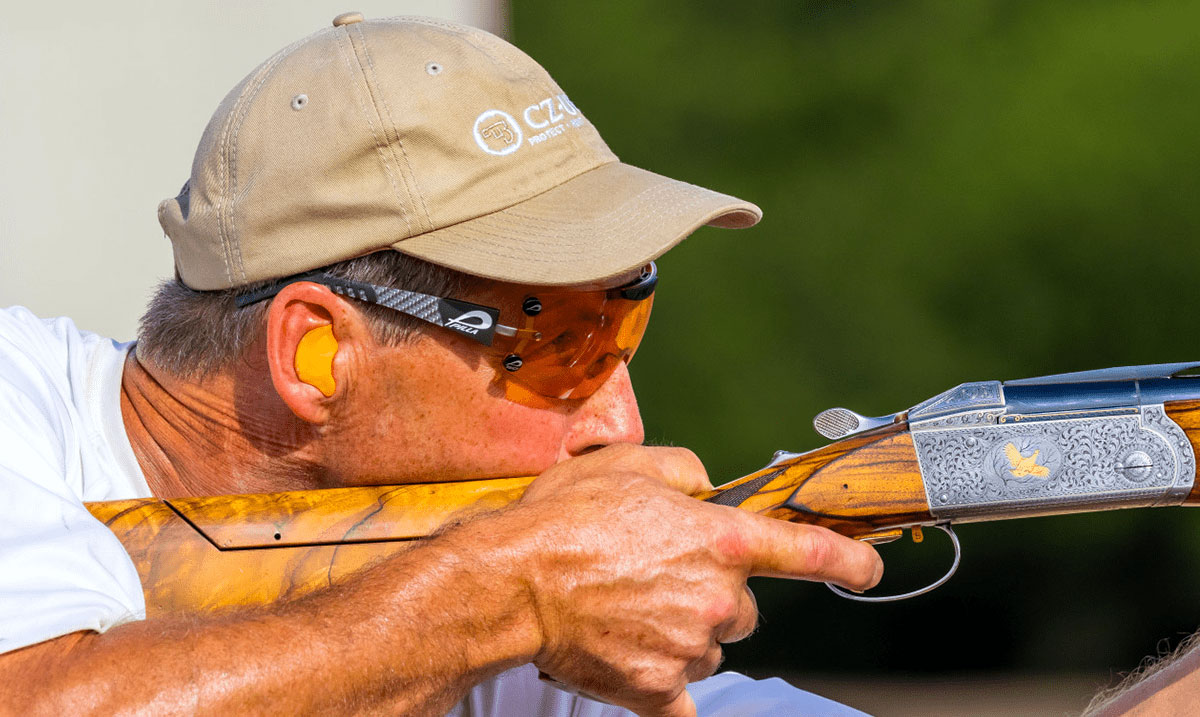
(1025, 465)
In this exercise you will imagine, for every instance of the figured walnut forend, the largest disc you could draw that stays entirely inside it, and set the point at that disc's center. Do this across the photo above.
(856, 486)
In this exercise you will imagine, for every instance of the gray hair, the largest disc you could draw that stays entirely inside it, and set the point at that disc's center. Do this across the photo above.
(192, 334)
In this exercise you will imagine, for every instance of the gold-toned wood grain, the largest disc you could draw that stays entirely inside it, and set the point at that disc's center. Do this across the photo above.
(209, 553)
(1187, 415)
(343, 515)
(183, 572)
(856, 486)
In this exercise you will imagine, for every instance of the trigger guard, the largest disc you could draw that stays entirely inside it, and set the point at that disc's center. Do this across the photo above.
(945, 528)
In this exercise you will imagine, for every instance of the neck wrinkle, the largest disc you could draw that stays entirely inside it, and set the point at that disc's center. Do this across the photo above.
(204, 437)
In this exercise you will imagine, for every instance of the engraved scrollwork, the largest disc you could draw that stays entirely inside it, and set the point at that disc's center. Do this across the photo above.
(980, 394)
(972, 418)
(1155, 419)
(973, 467)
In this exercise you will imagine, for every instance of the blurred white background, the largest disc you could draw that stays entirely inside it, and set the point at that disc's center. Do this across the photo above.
(101, 108)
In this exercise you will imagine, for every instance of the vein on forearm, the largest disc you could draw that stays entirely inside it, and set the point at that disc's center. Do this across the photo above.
(408, 635)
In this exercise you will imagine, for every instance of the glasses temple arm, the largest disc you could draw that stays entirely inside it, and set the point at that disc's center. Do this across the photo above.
(410, 303)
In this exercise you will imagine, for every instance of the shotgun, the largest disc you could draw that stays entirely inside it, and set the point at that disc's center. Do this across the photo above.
(989, 450)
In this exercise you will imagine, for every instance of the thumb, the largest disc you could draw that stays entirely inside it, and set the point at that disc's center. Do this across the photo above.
(681, 706)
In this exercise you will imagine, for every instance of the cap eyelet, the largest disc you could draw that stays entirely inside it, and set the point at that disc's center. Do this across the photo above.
(512, 362)
(433, 68)
(299, 102)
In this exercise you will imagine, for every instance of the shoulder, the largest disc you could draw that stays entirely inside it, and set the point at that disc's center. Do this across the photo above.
(59, 403)
(24, 335)
(64, 571)
(36, 356)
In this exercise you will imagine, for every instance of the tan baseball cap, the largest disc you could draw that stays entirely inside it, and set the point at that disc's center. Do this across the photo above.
(437, 140)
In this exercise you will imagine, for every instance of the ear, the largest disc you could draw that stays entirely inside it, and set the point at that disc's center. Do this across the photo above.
(312, 334)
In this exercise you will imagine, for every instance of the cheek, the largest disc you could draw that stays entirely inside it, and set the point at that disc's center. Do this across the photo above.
(525, 440)
(510, 438)
(441, 419)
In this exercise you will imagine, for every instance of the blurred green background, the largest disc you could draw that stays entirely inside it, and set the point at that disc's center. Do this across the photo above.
(953, 191)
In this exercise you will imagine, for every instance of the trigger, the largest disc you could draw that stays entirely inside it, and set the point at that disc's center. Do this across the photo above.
(883, 536)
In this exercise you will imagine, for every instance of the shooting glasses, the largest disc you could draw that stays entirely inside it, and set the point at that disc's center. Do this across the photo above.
(559, 343)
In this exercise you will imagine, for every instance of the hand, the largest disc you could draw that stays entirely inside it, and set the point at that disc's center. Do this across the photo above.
(635, 585)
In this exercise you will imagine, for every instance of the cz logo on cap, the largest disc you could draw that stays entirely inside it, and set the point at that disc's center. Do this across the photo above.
(496, 132)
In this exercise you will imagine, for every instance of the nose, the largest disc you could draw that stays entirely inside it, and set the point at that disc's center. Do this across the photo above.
(610, 415)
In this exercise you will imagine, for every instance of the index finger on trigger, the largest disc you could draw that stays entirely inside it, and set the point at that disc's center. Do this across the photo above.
(810, 552)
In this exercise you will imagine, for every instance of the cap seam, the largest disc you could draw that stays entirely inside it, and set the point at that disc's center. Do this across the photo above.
(484, 237)
(240, 112)
(226, 226)
(661, 188)
(518, 202)
(609, 230)
(483, 233)
(507, 211)
(223, 153)
(408, 177)
(345, 37)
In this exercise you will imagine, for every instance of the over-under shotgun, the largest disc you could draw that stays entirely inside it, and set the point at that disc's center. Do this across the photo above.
(1095, 440)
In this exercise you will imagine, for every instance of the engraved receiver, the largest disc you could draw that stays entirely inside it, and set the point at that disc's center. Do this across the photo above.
(1094, 440)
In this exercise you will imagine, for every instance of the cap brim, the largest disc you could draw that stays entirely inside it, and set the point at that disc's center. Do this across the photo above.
(598, 225)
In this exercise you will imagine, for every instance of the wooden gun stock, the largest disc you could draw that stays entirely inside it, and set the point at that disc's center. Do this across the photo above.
(207, 553)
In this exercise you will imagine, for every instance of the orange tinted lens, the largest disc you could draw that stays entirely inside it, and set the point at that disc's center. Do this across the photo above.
(571, 347)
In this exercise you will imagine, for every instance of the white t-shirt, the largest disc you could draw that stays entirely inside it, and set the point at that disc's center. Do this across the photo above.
(63, 443)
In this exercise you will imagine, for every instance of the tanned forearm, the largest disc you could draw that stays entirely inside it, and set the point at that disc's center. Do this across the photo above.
(408, 636)
(605, 575)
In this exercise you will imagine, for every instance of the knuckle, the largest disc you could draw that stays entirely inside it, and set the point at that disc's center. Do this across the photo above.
(622, 450)
(657, 683)
(744, 622)
(818, 549)
(697, 647)
(708, 664)
(746, 627)
(620, 454)
(612, 455)
(685, 457)
(720, 610)
(749, 603)
(733, 544)
(689, 464)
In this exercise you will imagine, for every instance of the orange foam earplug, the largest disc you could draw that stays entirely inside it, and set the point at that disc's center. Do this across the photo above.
(314, 359)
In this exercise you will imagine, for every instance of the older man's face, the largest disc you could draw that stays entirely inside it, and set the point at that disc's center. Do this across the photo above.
(433, 410)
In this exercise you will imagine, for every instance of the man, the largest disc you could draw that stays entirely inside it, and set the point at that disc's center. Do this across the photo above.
(296, 349)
